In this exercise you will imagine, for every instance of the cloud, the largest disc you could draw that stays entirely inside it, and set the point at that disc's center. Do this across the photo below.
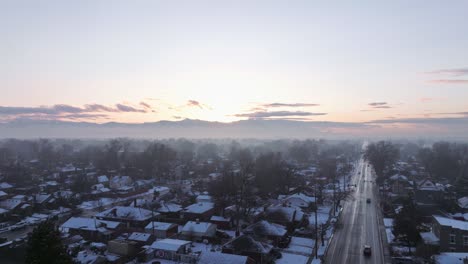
(428, 120)
(455, 72)
(449, 81)
(426, 99)
(450, 72)
(265, 114)
(289, 105)
(66, 112)
(194, 103)
(382, 106)
(374, 104)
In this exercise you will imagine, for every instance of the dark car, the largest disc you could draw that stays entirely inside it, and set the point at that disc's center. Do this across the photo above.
(368, 200)
(367, 250)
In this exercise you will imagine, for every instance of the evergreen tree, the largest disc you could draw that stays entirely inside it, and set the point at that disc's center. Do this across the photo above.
(406, 223)
(45, 246)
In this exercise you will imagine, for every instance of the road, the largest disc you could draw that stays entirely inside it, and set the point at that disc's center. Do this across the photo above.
(360, 224)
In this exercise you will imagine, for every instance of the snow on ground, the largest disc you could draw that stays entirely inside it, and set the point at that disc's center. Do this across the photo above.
(292, 259)
(323, 213)
(390, 236)
(300, 246)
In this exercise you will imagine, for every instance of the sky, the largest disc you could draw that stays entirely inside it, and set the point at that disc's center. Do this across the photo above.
(385, 62)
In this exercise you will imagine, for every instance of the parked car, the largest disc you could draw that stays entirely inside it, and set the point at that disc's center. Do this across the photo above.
(368, 200)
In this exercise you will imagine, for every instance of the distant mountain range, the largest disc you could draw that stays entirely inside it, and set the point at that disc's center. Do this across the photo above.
(189, 128)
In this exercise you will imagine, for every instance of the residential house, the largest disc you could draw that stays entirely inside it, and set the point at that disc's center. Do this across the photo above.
(162, 230)
(297, 200)
(92, 229)
(264, 229)
(284, 215)
(221, 222)
(170, 210)
(204, 198)
(246, 245)
(131, 216)
(142, 238)
(119, 182)
(463, 204)
(452, 234)
(171, 249)
(196, 230)
(400, 185)
(201, 211)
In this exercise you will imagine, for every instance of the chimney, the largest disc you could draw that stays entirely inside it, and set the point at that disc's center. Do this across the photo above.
(197, 221)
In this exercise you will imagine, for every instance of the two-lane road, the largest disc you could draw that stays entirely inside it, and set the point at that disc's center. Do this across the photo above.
(358, 224)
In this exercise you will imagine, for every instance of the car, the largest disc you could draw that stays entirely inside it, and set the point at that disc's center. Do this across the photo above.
(367, 250)
(368, 200)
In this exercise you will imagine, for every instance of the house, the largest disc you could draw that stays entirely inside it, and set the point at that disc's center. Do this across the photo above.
(218, 257)
(5, 186)
(297, 200)
(42, 200)
(118, 182)
(3, 195)
(204, 198)
(123, 247)
(196, 230)
(428, 195)
(103, 179)
(131, 216)
(400, 185)
(91, 229)
(170, 210)
(221, 222)
(141, 238)
(162, 230)
(284, 215)
(463, 203)
(170, 249)
(246, 245)
(202, 211)
(264, 229)
(452, 234)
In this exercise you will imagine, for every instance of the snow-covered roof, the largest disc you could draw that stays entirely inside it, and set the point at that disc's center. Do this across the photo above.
(199, 208)
(265, 228)
(5, 185)
(218, 257)
(40, 198)
(204, 197)
(137, 236)
(102, 179)
(200, 227)
(463, 202)
(287, 212)
(169, 207)
(429, 238)
(388, 222)
(169, 244)
(220, 218)
(246, 243)
(159, 226)
(90, 224)
(445, 221)
(2, 193)
(398, 177)
(127, 213)
(10, 204)
(301, 196)
(450, 257)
